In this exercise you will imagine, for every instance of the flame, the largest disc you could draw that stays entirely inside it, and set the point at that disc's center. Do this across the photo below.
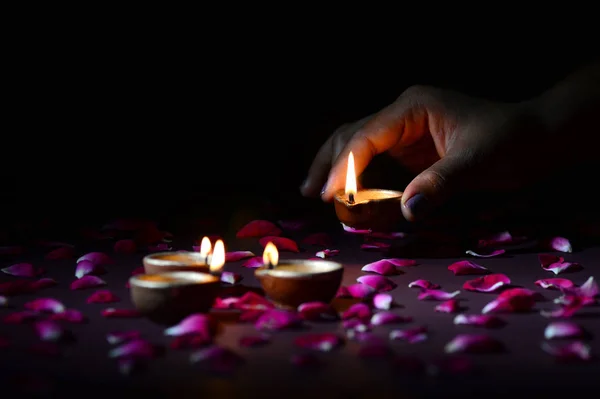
(351, 176)
(205, 247)
(270, 255)
(217, 260)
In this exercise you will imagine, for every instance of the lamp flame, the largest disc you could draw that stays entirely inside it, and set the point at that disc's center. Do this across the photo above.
(205, 247)
(217, 260)
(270, 255)
(351, 176)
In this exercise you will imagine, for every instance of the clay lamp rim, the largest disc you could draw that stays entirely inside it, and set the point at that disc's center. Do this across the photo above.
(157, 258)
(326, 266)
(379, 194)
(180, 279)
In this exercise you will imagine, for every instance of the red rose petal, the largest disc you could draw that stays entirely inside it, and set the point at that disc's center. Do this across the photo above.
(478, 320)
(317, 311)
(399, 262)
(254, 263)
(45, 305)
(386, 317)
(383, 301)
(323, 342)
(375, 246)
(562, 267)
(218, 359)
(355, 325)
(382, 267)
(118, 337)
(136, 348)
(252, 301)
(489, 283)
(11, 250)
(570, 306)
(563, 329)
(197, 323)
(69, 315)
(250, 315)
(411, 335)
(253, 341)
(20, 317)
(590, 288)
(85, 268)
(292, 225)
(449, 306)
(547, 259)
(235, 256)
(22, 270)
(305, 360)
(282, 243)
(555, 283)
(343, 292)
(125, 247)
(49, 330)
(378, 283)
(423, 284)
(491, 254)
(573, 351)
(359, 311)
(61, 253)
(352, 230)
(465, 267)
(88, 281)
(226, 303)
(231, 277)
(102, 296)
(113, 313)
(560, 244)
(191, 341)
(327, 253)
(42, 283)
(512, 300)
(138, 270)
(473, 343)
(97, 258)
(436, 295)
(361, 291)
(319, 239)
(275, 319)
(258, 228)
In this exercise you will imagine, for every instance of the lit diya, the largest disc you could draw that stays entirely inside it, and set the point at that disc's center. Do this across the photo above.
(182, 261)
(289, 283)
(171, 296)
(367, 209)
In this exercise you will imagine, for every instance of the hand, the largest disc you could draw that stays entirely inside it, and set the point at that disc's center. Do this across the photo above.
(451, 141)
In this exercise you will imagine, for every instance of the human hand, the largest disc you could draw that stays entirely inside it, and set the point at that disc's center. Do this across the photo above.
(453, 142)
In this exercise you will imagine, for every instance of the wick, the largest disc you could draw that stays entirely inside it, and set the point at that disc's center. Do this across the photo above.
(351, 198)
(270, 265)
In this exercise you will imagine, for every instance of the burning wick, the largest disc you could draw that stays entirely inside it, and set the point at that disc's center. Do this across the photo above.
(351, 179)
(217, 260)
(351, 198)
(270, 255)
(205, 249)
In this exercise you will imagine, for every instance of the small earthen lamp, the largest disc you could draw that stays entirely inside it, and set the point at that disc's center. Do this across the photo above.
(289, 283)
(169, 297)
(367, 209)
(183, 261)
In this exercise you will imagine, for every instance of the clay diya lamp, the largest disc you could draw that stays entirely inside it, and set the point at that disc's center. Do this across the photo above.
(181, 261)
(167, 298)
(289, 283)
(367, 209)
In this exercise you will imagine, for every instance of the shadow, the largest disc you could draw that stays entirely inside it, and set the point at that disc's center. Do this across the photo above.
(239, 290)
(342, 304)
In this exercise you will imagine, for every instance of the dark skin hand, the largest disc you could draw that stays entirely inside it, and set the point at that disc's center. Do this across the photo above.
(455, 143)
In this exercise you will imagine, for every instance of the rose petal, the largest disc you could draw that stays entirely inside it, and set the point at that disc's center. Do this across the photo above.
(352, 230)
(317, 311)
(573, 351)
(20, 317)
(546, 260)
(11, 250)
(305, 360)
(399, 262)
(97, 258)
(231, 277)
(253, 341)
(502, 238)
(120, 313)
(449, 306)
(436, 295)
(258, 228)
(473, 343)
(42, 283)
(359, 311)
(492, 254)
(361, 291)
(323, 342)
(343, 292)
(383, 301)
(49, 330)
(590, 288)
(250, 315)
(465, 267)
(512, 300)
(411, 335)
(383, 267)
(135, 348)
(235, 256)
(45, 305)
(22, 270)
(386, 317)
(118, 337)
(489, 283)
(138, 270)
(293, 225)
(378, 283)
(125, 247)
(225, 303)
(375, 246)
(570, 306)
(88, 281)
(102, 296)
(252, 301)
(193, 324)
(563, 267)
(563, 329)
(69, 315)
(61, 253)
(85, 268)
(254, 263)
(218, 359)
(560, 244)
(555, 283)
(282, 243)
(478, 320)
(356, 325)
(327, 253)
(319, 239)
(276, 319)
(424, 284)
(191, 341)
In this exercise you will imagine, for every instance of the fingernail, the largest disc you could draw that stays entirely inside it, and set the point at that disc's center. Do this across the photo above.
(418, 205)
(323, 190)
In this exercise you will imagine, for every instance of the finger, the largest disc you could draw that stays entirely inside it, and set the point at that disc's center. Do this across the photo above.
(319, 169)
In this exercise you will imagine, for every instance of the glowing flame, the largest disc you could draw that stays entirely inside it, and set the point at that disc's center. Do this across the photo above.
(270, 255)
(351, 176)
(217, 260)
(205, 247)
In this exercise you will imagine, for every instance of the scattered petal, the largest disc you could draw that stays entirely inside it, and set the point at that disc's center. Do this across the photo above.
(49, 330)
(282, 243)
(555, 283)
(590, 288)
(70, 316)
(235, 256)
(118, 337)
(383, 267)
(194, 324)
(20, 317)
(343, 292)
(375, 246)
(449, 306)
(436, 295)
(560, 244)
(61, 253)
(570, 305)
(231, 277)
(323, 342)
(45, 305)
(489, 283)
(258, 228)
(361, 291)
(226, 303)
(97, 258)
(356, 325)
(563, 329)
(327, 253)
(473, 343)
(411, 335)
(378, 283)
(573, 351)
(465, 267)
(252, 301)
(399, 262)
(359, 311)
(22, 270)
(254, 263)
(319, 239)
(557, 264)
(135, 348)
(88, 281)
(304, 360)
(317, 311)
(478, 320)
(191, 341)
(424, 284)
(120, 313)
(218, 359)
(127, 246)
(252, 341)
(250, 315)
(502, 238)
(103, 296)
(383, 301)
(386, 317)
(491, 254)
(275, 319)
(512, 300)
(85, 268)
(547, 259)
(42, 283)
(352, 230)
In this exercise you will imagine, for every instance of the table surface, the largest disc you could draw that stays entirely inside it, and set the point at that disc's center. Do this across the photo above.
(84, 366)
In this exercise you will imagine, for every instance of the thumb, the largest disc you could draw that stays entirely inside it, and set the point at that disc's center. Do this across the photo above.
(434, 186)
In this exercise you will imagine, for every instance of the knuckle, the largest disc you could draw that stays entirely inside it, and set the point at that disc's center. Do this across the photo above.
(435, 180)
(418, 94)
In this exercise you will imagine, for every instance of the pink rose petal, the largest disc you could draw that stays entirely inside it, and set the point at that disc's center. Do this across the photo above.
(343, 292)
(258, 228)
(20, 317)
(570, 305)
(102, 296)
(399, 262)
(386, 317)
(412, 335)
(465, 267)
(563, 329)
(375, 246)
(436, 295)
(45, 305)
(361, 291)
(49, 330)
(194, 324)
(61, 253)
(502, 238)
(231, 277)
(253, 341)
(491, 254)
(191, 341)
(589, 289)
(359, 311)
(573, 351)
(22, 270)
(512, 300)
(305, 360)
(478, 320)
(489, 283)
(97, 258)
(113, 313)
(282, 243)
(88, 281)
(560, 244)
(383, 267)
(85, 268)
(327, 253)
(323, 342)
(383, 301)
(250, 315)
(319, 239)
(449, 306)
(424, 284)
(275, 319)
(70, 316)
(136, 348)
(378, 283)
(562, 267)
(254, 263)
(317, 311)
(352, 230)
(555, 283)
(355, 325)
(42, 283)
(235, 256)
(217, 359)
(547, 259)
(252, 301)
(118, 337)
(473, 343)
(226, 303)
(126, 246)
